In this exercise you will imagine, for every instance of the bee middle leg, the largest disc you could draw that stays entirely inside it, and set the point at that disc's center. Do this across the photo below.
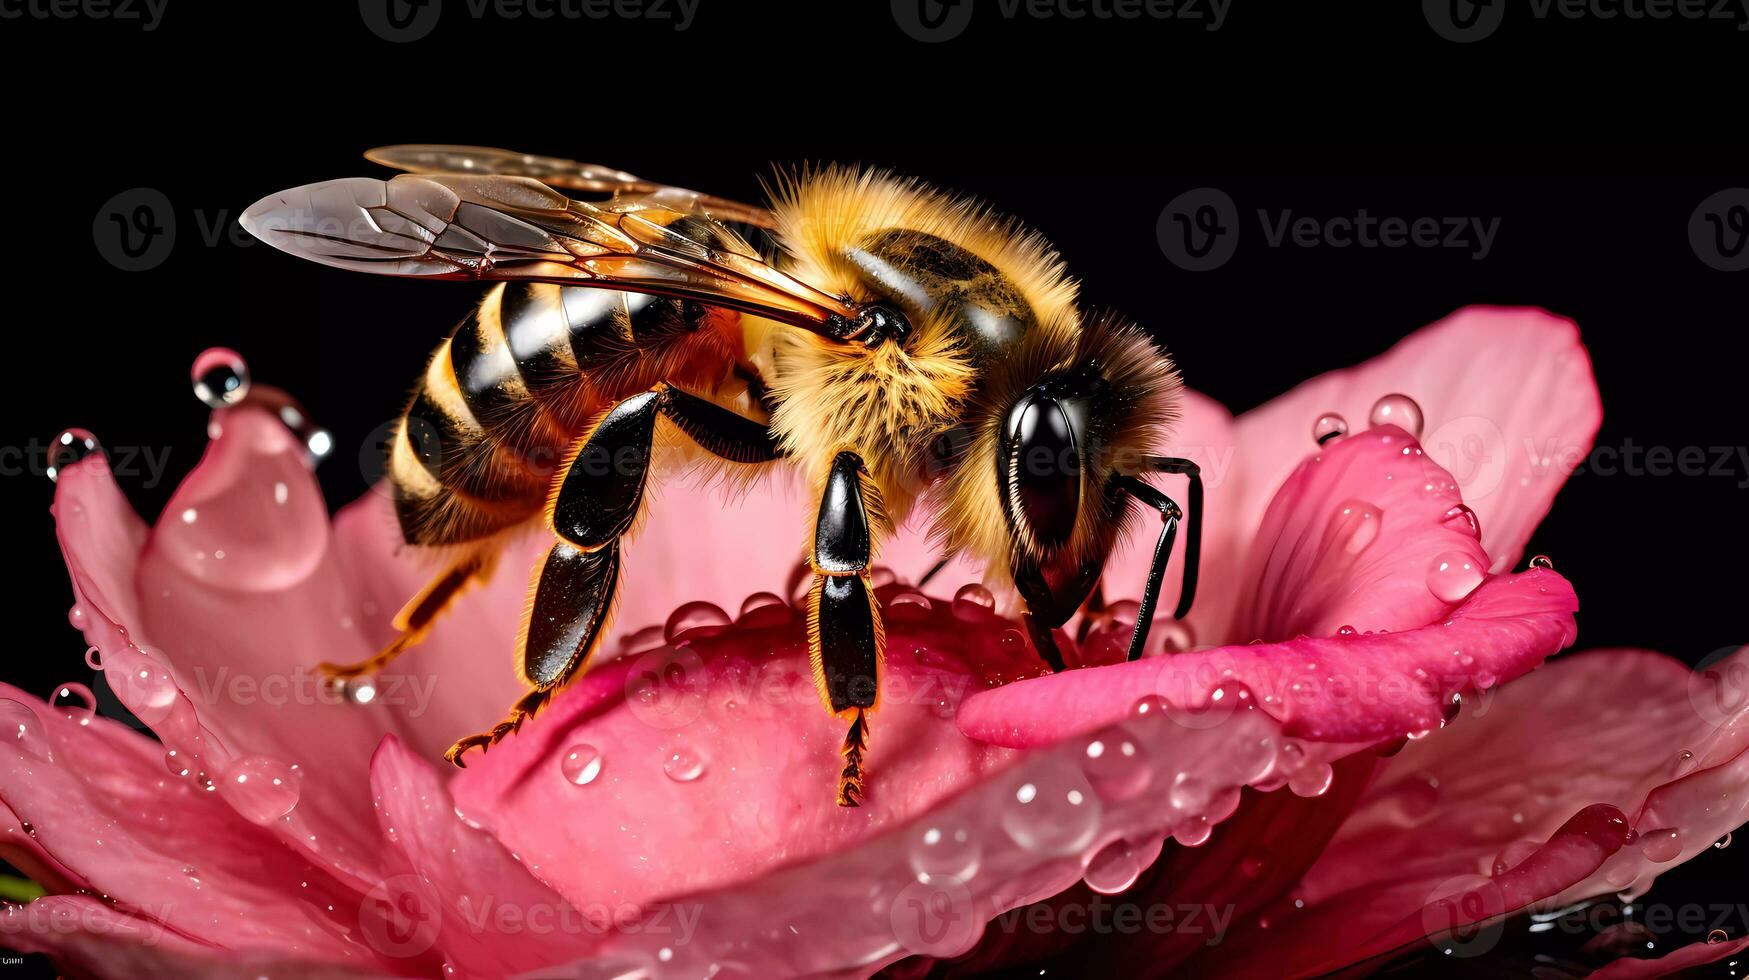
(414, 620)
(592, 506)
(846, 638)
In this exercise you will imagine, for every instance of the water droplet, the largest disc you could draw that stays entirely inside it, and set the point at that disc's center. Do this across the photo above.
(755, 604)
(146, 689)
(581, 764)
(70, 447)
(1013, 644)
(1189, 794)
(1116, 765)
(1684, 762)
(1542, 561)
(173, 762)
(703, 616)
(220, 377)
(1175, 636)
(1716, 937)
(1452, 576)
(75, 700)
(1464, 519)
(261, 789)
(683, 764)
(1453, 705)
(1355, 525)
(1055, 812)
(94, 658)
(1151, 706)
(25, 728)
(1398, 410)
(947, 849)
(973, 603)
(1345, 631)
(78, 618)
(1312, 780)
(909, 606)
(1723, 842)
(361, 690)
(1661, 845)
(1328, 428)
(1113, 868)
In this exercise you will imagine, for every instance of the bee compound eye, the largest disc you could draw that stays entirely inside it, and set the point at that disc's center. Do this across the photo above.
(1042, 468)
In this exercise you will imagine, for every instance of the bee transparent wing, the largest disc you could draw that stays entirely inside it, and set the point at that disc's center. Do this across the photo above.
(516, 228)
(570, 175)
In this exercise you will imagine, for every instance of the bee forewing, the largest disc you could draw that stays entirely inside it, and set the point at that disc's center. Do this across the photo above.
(498, 227)
(434, 158)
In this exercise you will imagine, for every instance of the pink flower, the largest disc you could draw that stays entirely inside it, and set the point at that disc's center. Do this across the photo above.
(1353, 757)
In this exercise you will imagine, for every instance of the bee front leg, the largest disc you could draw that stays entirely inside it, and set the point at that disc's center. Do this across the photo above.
(846, 639)
(1170, 514)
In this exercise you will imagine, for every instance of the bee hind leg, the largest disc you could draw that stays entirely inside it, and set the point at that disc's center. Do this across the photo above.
(415, 618)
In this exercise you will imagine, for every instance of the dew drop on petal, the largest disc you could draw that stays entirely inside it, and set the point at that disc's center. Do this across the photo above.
(1661, 845)
(1312, 780)
(1684, 762)
(1355, 525)
(24, 727)
(77, 617)
(1345, 631)
(1189, 794)
(173, 761)
(1452, 576)
(973, 603)
(1175, 636)
(259, 788)
(1716, 937)
(70, 447)
(76, 700)
(1542, 561)
(1462, 518)
(909, 606)
(946, 848)
(581, 764)
(1112, 868)
(694, 616)
(1055, 812)
(1116, 765)
(361, 690)
(683, 764)
(1328, 428)
(765, 610)
(94, 658)
(1398, 410)
(220, 377)
(1723, 842)
(147, 690)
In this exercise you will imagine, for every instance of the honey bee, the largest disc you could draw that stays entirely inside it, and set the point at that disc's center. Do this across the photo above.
(902, 347)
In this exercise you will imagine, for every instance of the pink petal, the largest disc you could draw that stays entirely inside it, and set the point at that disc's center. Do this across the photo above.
(1357, 536)
(458, 889)
(97, 799)
(1690, 957)
(1510, 408)
(92, 939)
(1482, 809)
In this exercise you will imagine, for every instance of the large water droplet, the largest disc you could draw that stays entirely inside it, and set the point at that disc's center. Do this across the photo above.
(683, 764)
(704, 616)
(1356, 525)
(1055, 812)
(973, 603)
(1116, 765)
(1113, 868)
(765, 610)
(1328, 428)
(1463, 519)
(70, 447)
(75, 700)
(261, 789)
(360, 690)
(581, 764)
(21, 724)
(908, 606)
(220, 377)
(1452, 576)
(1189, 794)
(1542, 561)
(1661, 845)
(1716, 937)
(1398, 410)
(146, 689)
(947, 848)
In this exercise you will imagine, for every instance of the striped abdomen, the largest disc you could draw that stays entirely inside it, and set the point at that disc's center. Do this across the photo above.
(520, 379)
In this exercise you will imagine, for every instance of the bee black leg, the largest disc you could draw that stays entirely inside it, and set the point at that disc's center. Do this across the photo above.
(593, 506)
(414, 620)
(1171, 515)
(846, 639)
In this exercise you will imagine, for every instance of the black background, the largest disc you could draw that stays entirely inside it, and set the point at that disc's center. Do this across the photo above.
(1085, 129)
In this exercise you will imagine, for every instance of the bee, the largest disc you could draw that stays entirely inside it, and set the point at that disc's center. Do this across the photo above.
(904, 348)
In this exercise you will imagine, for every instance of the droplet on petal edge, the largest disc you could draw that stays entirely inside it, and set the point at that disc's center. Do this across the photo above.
(261, 789)
(70, 447)
(694, 616)
(220, 377)
(973, 603)
(1452, 575)
(1399, 410)
(1328, 428)
(1541, 561)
